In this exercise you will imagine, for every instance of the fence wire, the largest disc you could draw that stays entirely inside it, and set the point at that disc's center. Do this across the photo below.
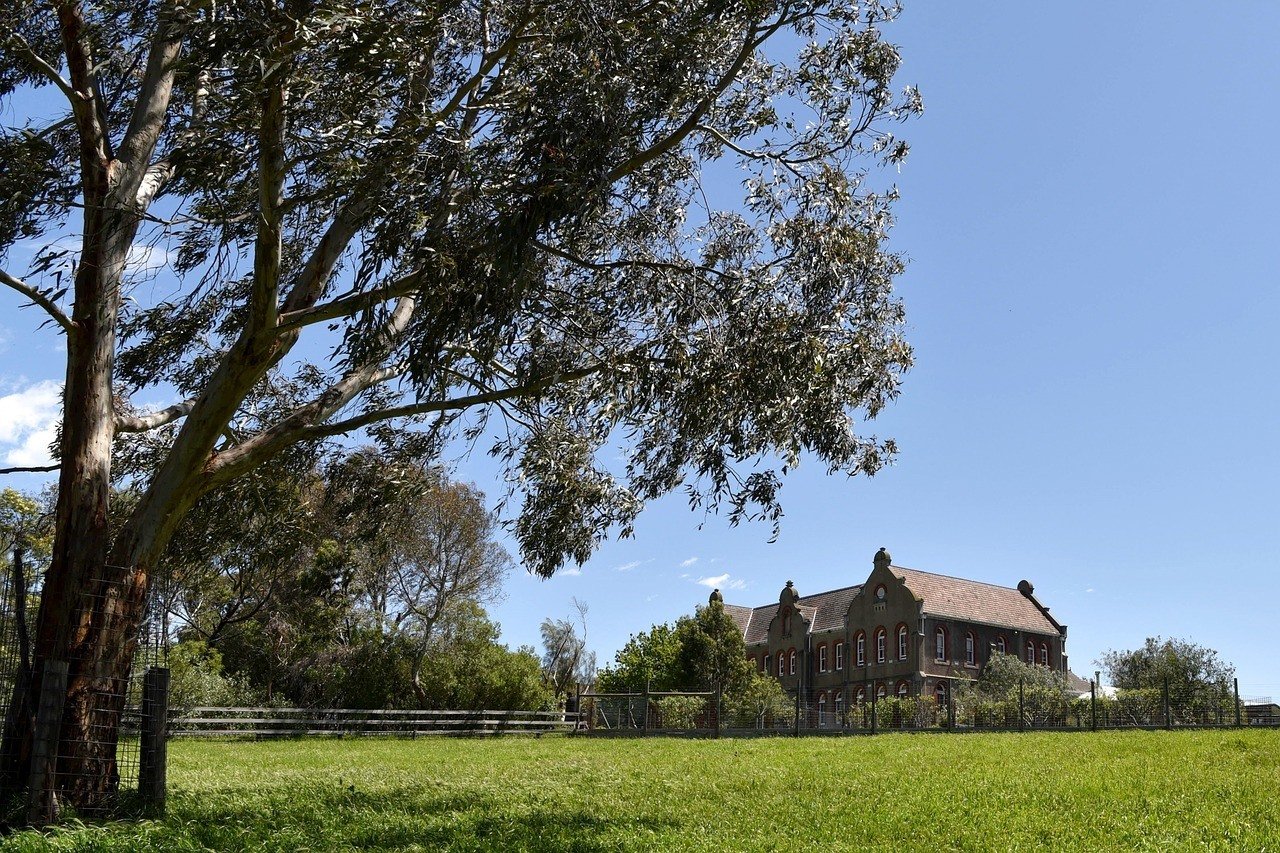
(852, 710)
(111, 728)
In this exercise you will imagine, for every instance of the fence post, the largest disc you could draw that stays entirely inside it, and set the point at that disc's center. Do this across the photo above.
(951, 708)
(873, 708)
(1236, 683)
(797, 721)
(1022, 710)
(42, 796)
(153, 757)
(719, 696)
(645, 725)
(1168, 717)
(1093, 706)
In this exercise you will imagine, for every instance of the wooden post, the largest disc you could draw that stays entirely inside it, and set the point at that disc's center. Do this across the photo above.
(797, 720)
(1168, 716)
(42, 793)
(1237, 694)
(153, 758)
(646, 707)
(719, 698)
(873, 708)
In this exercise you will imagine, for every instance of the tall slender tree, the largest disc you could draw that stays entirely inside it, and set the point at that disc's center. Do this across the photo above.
(419, 217)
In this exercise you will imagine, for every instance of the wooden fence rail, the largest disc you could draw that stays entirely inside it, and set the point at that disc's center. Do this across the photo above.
(352, 722)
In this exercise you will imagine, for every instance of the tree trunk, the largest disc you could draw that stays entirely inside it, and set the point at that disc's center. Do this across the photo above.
(90, 606)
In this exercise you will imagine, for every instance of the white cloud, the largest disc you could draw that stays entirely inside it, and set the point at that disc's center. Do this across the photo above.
(1090, 589)
(724, 581)
(146, 259)
(570, 572)
(626, 567)
(689, 562)
(27, 422)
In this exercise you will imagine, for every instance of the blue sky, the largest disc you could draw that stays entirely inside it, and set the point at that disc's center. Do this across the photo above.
(1090, 211)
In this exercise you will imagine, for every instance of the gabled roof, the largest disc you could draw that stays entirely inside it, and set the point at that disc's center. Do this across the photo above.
(944, 596)
(825, 611)
(975, 601)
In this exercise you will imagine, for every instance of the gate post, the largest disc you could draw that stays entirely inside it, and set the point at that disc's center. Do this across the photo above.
(42, 793)
(1093, 705)
(153, 758)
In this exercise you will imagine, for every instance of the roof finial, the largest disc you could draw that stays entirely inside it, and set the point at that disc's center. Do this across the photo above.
(882, 559)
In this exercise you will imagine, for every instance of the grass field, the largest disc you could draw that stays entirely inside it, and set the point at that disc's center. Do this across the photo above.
(1216, 790)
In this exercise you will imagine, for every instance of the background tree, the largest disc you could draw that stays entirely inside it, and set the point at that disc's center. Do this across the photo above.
(649, 660)
(476, 210)
(1186, 667)
(712, 655)
(566, 662)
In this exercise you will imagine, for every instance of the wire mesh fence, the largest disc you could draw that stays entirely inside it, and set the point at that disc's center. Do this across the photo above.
(858, 709)
(109, 750)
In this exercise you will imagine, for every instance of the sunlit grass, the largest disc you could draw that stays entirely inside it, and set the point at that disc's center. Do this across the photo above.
(1136, 790)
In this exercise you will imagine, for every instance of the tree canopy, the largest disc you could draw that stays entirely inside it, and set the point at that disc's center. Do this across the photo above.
(1183, 664)
(436, 224)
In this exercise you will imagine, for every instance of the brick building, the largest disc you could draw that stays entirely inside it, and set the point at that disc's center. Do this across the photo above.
(902, 633)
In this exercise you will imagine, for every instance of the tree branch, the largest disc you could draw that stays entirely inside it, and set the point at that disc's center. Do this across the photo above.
(39, 299)
(152, 103)
(31, 469)
(39, 64)
(143, 423)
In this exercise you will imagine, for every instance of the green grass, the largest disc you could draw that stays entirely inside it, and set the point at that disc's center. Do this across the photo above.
(1216, 790)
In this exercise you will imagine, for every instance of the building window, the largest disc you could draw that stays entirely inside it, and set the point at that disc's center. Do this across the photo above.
(880, 641)
(902, 642)
(880, 692)
(822, 658)
(840, 708)
(793, 661)
(1044, 654)
(940, 644)
(1031, 652)
(861, 644)
(822, 709)
(839, 657)
(902, 689)
(1001, 646)
(940, 692)
(969, 656)
(767, 660)
(861, 696)
(782, 663)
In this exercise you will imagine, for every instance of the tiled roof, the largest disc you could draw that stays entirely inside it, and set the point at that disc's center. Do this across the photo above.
(974, 601)
(825, 611)
(944, 596)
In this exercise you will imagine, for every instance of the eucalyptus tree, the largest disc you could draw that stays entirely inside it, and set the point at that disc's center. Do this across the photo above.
(432, 217)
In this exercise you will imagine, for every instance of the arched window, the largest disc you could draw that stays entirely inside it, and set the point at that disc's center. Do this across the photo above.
(793, 661)
(861, 696)
(860, 644)
(940, 644)
(840, 708)
(880, 643)
(822, 709)
(902, 642)
(839, 657)
(1001, 646)
(767, 660)
(1044, 654)
(782, 663)
(940, 693)
(880, 691)
(969, 649)
(822, 657)
(1031, 652)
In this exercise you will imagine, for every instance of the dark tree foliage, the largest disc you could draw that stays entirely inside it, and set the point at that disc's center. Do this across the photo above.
(575, 229)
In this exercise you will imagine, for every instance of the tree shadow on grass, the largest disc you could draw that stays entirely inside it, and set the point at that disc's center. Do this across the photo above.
(407, 818)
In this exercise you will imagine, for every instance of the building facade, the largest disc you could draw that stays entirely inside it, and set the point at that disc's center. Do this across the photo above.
(901, 633)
